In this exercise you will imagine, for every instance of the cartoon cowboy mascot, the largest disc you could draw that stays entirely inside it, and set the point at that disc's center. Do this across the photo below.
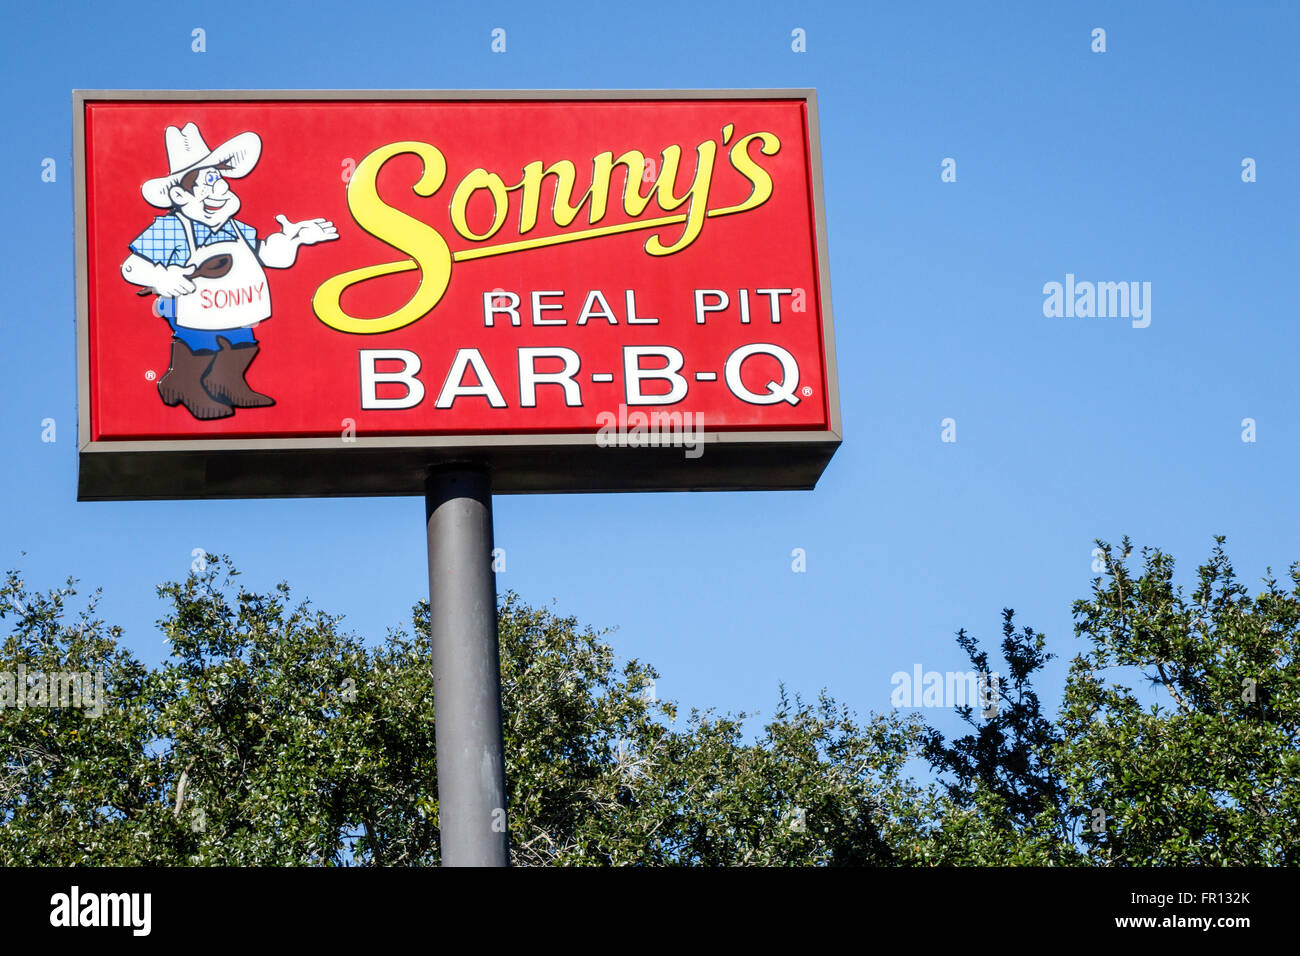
(205, 266)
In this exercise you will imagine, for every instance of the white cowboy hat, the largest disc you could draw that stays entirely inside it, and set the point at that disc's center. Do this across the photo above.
(186, 150)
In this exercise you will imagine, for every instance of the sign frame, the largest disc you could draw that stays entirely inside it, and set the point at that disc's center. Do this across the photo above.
(400, 465)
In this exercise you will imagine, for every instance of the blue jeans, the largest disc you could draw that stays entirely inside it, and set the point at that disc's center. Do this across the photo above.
(206, 339)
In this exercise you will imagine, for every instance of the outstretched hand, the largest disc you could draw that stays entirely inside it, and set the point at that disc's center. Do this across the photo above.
(309, 231)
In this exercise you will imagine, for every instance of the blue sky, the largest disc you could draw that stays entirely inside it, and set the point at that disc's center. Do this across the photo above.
(1115, 166)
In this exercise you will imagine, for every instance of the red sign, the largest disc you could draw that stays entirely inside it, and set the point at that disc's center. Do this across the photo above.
(278, 281)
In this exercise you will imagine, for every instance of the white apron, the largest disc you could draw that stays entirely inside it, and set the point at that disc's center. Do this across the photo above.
(239, 299)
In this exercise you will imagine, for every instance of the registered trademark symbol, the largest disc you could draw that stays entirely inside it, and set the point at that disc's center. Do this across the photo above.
(150, 375)
(806, 390)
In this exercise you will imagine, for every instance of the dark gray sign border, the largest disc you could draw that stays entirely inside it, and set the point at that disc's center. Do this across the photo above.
(520, 463)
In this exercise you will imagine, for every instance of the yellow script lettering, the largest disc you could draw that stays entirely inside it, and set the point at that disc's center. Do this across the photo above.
(428, 250)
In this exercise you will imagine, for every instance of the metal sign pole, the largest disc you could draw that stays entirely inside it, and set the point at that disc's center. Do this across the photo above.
(466, 670)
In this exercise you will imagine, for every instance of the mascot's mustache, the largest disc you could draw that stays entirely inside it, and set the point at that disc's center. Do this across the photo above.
(211, 268)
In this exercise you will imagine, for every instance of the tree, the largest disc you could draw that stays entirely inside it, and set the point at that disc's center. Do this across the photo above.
(1203, 768)
(1006, 800)
(74, 788)
(269, 736)
(1199, 766)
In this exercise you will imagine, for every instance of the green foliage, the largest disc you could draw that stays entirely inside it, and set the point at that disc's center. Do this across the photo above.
(1199, 766)
(271, 736)
(1209, 772)
(1005, 801)
(74, 788)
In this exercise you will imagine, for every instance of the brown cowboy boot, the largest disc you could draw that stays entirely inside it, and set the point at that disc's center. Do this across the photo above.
(225, 380)
(183, 383)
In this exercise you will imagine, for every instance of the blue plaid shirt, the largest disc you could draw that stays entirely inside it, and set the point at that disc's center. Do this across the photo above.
(165, 243)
